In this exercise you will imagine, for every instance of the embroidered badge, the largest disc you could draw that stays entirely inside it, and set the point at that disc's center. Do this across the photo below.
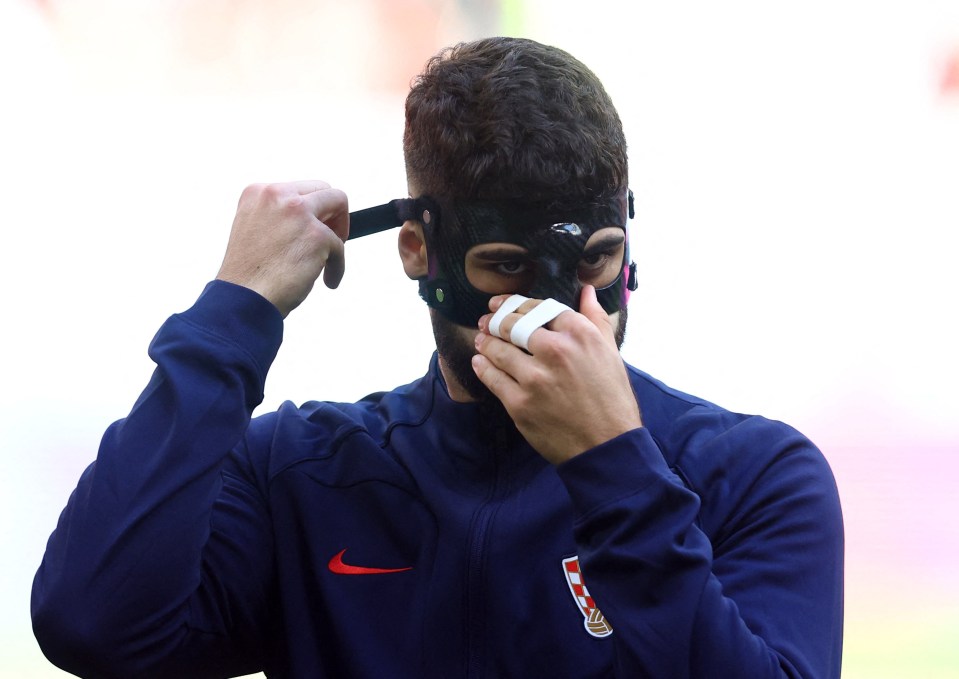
(594, 621)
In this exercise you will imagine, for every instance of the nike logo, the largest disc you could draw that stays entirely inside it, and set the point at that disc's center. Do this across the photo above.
(337, 566)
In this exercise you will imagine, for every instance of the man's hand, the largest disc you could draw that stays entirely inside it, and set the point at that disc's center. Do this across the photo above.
(570, 393)
(283, 236)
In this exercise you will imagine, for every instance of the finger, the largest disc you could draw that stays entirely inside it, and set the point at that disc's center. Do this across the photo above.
(331, 207)
(335, 264)
(590, 307)
(509, 359)
(500, 383)
(519, 326)
(504, 309)
(496, 301)
(544, 313)
(508, 312)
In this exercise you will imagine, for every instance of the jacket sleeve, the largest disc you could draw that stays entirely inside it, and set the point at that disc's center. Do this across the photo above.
(740, 578)
(161, 562)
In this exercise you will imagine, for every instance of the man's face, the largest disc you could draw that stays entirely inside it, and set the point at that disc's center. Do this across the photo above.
(478, 250)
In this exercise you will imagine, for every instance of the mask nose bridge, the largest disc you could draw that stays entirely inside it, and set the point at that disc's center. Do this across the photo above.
(557, 279)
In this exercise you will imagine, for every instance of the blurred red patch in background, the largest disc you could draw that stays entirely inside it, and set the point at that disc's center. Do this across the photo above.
(949, 84)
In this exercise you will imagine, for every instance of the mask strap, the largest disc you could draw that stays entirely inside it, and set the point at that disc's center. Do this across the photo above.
(381, 218)
(390, 215)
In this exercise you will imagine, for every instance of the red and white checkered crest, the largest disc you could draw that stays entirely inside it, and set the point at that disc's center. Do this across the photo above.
(593, 620)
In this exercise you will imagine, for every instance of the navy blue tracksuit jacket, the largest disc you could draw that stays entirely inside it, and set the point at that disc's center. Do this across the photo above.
(404, 536)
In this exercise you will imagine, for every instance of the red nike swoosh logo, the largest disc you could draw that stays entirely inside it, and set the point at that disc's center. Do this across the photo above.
(337, 566)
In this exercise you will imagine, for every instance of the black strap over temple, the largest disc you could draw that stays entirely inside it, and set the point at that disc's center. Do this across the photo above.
(390, 215)
(380, 218)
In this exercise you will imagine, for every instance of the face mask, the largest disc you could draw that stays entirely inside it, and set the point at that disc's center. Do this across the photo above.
(477, 249)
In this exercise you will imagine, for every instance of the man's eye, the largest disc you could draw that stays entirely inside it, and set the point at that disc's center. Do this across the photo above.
(511, 268)
(595, 261)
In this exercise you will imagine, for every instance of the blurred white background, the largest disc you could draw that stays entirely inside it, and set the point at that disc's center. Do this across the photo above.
(796, 170)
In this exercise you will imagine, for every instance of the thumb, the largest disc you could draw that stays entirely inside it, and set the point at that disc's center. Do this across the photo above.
(589, 306)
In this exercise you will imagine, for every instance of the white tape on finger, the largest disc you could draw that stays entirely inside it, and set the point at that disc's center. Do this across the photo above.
(544, 312)
(511, 304)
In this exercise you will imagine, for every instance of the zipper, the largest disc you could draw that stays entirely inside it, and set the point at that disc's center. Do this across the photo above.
(476, 636)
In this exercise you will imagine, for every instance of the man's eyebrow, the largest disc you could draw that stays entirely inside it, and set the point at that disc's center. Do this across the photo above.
(613, 240)
(496, 253)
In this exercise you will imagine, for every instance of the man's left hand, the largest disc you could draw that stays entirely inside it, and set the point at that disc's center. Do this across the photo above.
(570, 392)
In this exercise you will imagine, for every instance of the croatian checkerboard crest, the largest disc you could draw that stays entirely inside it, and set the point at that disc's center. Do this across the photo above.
(593, 619)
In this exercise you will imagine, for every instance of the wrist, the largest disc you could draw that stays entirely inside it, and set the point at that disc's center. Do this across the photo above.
(259, 287)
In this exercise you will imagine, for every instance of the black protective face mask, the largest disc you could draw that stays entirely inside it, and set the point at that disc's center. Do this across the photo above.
(554, 238)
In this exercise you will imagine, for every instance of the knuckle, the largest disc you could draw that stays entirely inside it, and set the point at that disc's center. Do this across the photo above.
(338, 196)
(272, 191)
(550, 347)
(521, 413)
(536, 382)
(279, 196)
(251, 192)
(291, 203)
(523, 404)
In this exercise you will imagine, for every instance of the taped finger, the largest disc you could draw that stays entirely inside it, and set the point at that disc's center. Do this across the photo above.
(511, 304)
(544, 312)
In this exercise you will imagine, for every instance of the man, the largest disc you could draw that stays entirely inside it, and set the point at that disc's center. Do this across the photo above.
(531, 507)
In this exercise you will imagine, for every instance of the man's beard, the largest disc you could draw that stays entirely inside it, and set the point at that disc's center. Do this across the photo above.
(457, 349)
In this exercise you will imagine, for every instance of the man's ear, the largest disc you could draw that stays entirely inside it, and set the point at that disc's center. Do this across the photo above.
(412, 247)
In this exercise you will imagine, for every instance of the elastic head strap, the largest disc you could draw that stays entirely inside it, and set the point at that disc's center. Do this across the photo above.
(382, 217)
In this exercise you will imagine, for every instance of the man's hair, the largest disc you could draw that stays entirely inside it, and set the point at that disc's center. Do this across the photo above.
(512, 119)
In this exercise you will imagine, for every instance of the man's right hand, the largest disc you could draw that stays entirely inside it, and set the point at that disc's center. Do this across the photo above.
(283, 236)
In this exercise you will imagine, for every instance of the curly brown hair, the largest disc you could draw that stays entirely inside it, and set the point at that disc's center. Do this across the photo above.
(512, 119)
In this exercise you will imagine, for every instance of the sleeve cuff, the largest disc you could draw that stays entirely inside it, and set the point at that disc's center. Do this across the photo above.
(241, 317)
(621, 467)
